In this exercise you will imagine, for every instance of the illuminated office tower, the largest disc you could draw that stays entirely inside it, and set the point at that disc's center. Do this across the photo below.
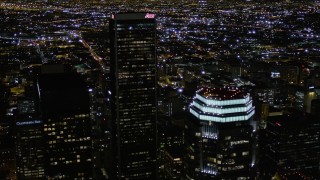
(29, 148)
(133, 101)
(225, 148)
(64, 109)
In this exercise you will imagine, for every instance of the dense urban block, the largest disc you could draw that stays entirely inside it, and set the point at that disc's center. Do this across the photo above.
(165, 89)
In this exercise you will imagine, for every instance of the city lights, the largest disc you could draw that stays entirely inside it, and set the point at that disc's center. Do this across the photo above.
(159, 89)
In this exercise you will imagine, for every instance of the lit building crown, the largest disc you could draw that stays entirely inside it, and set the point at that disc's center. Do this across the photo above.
(226, 104)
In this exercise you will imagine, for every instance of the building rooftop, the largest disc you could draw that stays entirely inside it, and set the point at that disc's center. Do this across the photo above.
(63, 93)
(54, 81)
(133, 16)
(225, 93)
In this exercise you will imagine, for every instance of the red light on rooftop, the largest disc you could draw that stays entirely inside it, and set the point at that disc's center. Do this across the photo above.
(149, 16)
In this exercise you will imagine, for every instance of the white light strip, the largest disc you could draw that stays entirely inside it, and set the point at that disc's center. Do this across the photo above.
(221, 119)
(207, 109)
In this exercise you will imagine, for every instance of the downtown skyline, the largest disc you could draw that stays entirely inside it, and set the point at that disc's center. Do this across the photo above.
(269, 51)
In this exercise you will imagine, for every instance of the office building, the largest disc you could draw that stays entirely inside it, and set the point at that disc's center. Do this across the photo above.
(224, 133)
(315, 106)
(170, 138)
(290, 143)
(64, 109)
(304, 98)
(29, 148)
(133, 101)
(7, 151)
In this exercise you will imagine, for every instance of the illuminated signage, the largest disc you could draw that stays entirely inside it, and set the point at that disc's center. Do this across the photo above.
(149, 16)
(28, 122)
(133, 16)
(275, 74)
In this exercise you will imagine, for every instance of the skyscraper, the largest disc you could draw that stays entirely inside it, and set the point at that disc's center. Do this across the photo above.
(29, 137)
(64, 108)
(225, 149)
(290, 143)
(133, 82)
(29, 148)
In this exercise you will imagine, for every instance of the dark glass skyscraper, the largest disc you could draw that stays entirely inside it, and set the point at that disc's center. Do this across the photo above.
(133, 76)
(65, 113)
(290, 143)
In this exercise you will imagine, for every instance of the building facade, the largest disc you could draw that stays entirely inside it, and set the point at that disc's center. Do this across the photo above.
(133, 99)
(290, 144)
(225, 133)
(67, 128)
(29, 148)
